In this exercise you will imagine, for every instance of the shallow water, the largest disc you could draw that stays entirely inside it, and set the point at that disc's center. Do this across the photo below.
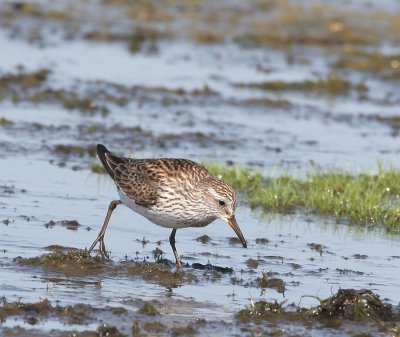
(346, 261)
(272, 131)
(286, 139)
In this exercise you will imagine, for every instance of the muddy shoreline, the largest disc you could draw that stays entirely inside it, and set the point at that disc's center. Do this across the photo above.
(278, 88)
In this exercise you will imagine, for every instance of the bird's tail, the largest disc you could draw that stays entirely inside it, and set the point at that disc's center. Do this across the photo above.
(102, 152)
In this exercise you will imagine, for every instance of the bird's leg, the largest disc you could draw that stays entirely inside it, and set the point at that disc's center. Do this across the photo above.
(172, 243)
(100, 237)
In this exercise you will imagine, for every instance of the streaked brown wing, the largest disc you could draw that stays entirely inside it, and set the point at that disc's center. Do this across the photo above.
(136, 184)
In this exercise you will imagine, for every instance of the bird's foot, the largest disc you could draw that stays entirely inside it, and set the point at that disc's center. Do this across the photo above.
(102, 250)
(102, 247)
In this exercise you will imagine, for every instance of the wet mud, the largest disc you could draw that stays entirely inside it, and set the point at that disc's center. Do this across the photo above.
(140, 322)
(296, 87)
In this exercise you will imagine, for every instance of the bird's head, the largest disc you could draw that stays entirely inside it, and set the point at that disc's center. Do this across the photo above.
(224, 201)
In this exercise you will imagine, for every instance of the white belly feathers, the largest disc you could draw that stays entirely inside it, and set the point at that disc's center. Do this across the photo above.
(162, 219)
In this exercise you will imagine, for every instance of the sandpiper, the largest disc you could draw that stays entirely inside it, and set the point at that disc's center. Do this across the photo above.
(172, 193)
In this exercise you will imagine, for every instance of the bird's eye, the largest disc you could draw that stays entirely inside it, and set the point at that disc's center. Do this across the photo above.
(221, 202)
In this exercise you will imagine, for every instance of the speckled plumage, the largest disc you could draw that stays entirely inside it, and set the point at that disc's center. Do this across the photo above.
(173, 193)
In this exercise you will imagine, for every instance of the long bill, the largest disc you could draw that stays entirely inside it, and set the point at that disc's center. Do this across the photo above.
(232, 222)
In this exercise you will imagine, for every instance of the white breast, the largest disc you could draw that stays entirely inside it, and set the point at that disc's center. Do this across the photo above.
(156, 216)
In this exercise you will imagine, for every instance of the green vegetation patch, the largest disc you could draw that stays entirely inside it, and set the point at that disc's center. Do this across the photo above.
(73, 314)
(69, 261)
(155, 327)
(347, 304)
(81, 151)
(71, 100)
(148, 309)
(251, 263)
(372, 62)
(66, 261)
(364, 199)
(89, 98)
(24, 80)
(108, 330)
(22, 86)
(142, 40)
(17, 308)
(353, 304)
(276, 24)
(260, 311)
(263, 102)
(187, 330)
(332, 85)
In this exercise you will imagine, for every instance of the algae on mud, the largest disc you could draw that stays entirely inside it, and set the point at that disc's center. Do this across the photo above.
(148, 309)
(267, 281)
(252, 263)
(69, 261)
(16, 308)
(11, 83)
(332, 85)
(74, 315)
(161, 274)
(66, 261)
(354, 304)
(71, 314)
(311, 24)
(376, 62)
(5, 122)
(346, 309)
(347, 305)
(79, 150)
(89, 97)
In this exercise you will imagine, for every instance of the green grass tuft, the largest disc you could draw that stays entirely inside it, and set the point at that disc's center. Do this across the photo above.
(365, 199)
